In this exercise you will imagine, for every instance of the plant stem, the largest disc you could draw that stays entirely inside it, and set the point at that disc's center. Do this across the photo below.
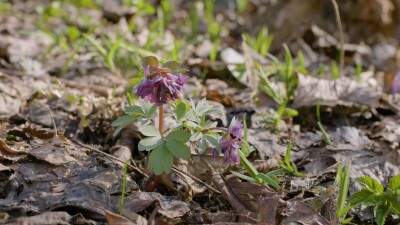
(160, 118)
(341, 37)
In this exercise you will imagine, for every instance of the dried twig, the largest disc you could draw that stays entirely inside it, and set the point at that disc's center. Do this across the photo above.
(136, 169)
(54, 122)
(339, 24)
(176, 170)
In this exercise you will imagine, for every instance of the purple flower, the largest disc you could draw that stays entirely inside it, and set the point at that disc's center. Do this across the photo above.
(231, 142)
(160, 86)
(396, 83)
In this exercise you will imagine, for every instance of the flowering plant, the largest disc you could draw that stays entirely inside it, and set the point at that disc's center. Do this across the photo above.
(190, 129)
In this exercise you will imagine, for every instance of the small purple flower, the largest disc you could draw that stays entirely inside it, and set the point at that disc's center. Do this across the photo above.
(396, 83)
(231, 142)
(160, 86)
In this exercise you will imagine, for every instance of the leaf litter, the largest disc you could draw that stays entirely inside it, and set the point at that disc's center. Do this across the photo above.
(48, 178)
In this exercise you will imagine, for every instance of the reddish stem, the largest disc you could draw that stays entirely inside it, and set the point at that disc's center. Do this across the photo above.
(160, 118)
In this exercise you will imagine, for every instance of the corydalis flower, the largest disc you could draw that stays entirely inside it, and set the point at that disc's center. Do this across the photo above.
(160, 86)
(396, 83)
(231, 142)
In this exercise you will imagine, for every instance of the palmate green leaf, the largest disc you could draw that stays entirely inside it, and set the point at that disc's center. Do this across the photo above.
(179, 135)
(213, 141)
(360, 196)
(160, 160)
(394, 183)
(371, 183)
(119, 128)
(381, 211)
(196, 136)
(150, 143)
(149, 109)
(180, 110)
(150, 130)
(134, 110)
(123, 120)
(178, 149)
(202, 145)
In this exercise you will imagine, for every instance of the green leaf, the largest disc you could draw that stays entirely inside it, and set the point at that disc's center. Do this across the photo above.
(196, 136)
(277, 172)
(213, 141)
(150, 143)
(247, 165)
(135, 80)
(375, 199)
(191, 125)
(360, 196)
(120, 127)
(178, 149)
(246, 148)
(173, 65)
(123, 120)
(179, 135)
(381, 211)
(343, 178)
(394, 183)
(134, 110)
(73, 33)
(269, 180)
(347, 220)
(202, 145)
(149, 109)
(150, 130)
(150, 60)
(371, 183)
(287, 155)
(395, 201)
(291, 112)
(244, 177)
(160, 160)
(180, 110)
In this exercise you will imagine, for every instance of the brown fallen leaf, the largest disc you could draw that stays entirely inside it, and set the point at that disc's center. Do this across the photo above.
(115, 219)
(46, 218)
(249, 199)
(343, 91)
(7, 153)
(169, 207)
(57, 151)
(298, 211)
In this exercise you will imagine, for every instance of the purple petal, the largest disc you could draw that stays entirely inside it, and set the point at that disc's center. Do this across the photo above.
(215, 153)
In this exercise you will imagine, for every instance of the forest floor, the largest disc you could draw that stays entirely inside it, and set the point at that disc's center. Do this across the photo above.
(69, 68)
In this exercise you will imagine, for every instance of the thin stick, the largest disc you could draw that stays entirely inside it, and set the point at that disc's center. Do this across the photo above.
(136, 169)
(339, 24)
(176, 170)
(54, 122)
(160, 118)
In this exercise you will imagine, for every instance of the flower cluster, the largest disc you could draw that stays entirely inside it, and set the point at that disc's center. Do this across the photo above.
(231, 142)
(160, 86)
